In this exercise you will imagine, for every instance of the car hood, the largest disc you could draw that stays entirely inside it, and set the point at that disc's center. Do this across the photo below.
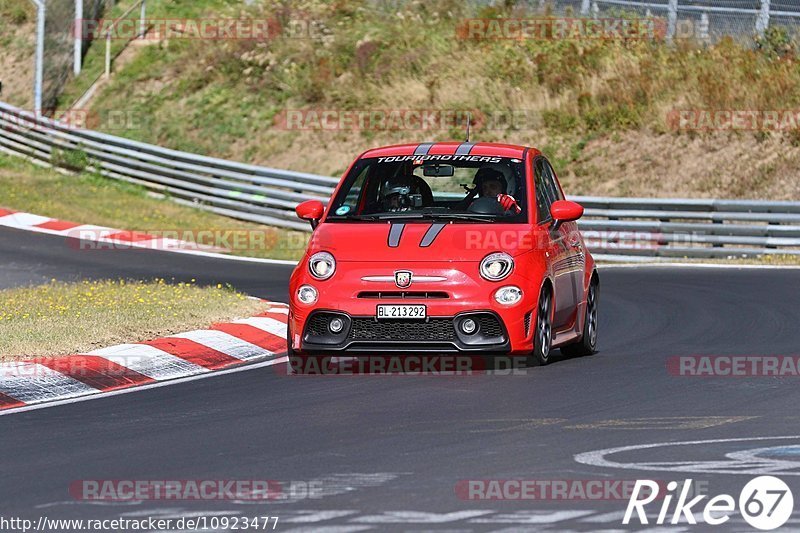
(418, 241)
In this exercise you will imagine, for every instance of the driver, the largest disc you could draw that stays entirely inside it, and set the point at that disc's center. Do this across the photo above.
(491, 183)
(396, 193)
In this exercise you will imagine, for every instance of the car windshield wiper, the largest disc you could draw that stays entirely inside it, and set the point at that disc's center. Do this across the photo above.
(462, 216)
(360, 217)
(400, 215)
(381, 216)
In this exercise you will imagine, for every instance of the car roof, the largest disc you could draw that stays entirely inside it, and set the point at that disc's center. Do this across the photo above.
(451, 148)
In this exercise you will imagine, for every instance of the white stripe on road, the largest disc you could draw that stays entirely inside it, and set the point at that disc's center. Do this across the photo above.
(419, 517)
(328, 529)
(270, 325)
(532, 517)
(131, 390)
(225, 343)
(23, 220)
(149, 361)
(604, 518)
(312, 517)
(32, 383)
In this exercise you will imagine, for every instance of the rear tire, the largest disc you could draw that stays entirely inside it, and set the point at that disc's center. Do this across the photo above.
(588, 343)
(543, 335)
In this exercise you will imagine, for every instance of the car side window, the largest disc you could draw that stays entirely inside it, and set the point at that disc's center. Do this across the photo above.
(543, 199)
(351, 201)
(554, 191)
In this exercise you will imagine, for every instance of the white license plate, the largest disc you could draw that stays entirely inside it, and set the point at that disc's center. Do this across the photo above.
(417, 312)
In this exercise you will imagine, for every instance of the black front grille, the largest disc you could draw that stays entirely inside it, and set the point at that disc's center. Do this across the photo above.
(490, 326)
(404, 295)
(318, 325)
(528, 316)
(435, 329)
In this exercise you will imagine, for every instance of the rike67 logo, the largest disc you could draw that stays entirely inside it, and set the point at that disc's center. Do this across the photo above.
(765, 503)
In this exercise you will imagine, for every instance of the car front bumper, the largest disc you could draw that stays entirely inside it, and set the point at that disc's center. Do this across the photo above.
(458, 293)
(436, 334)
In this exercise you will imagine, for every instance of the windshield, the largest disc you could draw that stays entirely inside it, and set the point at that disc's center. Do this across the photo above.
(458, 188)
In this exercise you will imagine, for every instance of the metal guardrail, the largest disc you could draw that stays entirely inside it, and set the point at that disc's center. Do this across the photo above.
(247, 192)
(759, 14)
(647, 227)
(697, 228)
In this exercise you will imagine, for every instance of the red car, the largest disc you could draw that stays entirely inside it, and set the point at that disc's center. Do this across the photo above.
(445, 247)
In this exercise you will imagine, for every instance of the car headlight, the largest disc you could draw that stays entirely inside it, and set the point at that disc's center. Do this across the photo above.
(508, 295)
(497, 266)
(322, 265)
(307, 294)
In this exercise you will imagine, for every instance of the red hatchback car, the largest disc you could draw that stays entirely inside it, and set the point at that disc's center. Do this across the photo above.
(445, 247)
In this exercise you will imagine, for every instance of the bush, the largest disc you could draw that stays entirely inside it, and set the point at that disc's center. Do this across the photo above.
(15, 11)
(776, 43)
(74, 160)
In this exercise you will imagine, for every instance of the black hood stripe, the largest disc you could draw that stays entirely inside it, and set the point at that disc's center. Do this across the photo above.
(431, 234)
(464, 148)
(395, 232)
(423, 149)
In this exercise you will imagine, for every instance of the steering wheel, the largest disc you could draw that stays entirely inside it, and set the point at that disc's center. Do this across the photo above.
(486, 206)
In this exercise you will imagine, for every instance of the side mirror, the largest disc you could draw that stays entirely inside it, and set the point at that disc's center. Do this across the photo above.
(310, 210)
(565, 211)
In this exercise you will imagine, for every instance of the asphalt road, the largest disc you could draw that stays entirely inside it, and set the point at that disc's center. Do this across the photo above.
(387, 452)
(32, 258)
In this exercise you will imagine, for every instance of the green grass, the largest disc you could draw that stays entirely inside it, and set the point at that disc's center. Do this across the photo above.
(94, 61)
(221, 97)
(90, 199)
(584, 97)
(16, 12)
(67, 318)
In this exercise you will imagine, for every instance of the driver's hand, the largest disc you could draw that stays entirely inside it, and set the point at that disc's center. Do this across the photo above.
(507, 202)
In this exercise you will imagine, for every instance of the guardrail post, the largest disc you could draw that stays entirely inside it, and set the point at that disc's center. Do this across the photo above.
(41, 13)
(78, 45)
(108, 54)
(672, 19)
(762, 22)
(704, 27)
(142, 14)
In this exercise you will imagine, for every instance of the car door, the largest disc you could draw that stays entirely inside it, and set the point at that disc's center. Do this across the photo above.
(556, 247)
(574, 257)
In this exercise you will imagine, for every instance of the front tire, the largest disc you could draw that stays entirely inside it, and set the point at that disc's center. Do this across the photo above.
(543, 339)
(297, 363)
(588, 343)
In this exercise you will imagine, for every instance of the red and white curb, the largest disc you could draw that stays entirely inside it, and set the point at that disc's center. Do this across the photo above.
(103, 237)
(224, 345)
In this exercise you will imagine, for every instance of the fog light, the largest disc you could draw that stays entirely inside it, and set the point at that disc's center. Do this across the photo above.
(468, 326)
(336, 325)
(508, 295)
(307, 294)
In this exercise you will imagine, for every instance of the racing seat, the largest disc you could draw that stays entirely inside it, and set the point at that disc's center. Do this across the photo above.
(422, 188)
